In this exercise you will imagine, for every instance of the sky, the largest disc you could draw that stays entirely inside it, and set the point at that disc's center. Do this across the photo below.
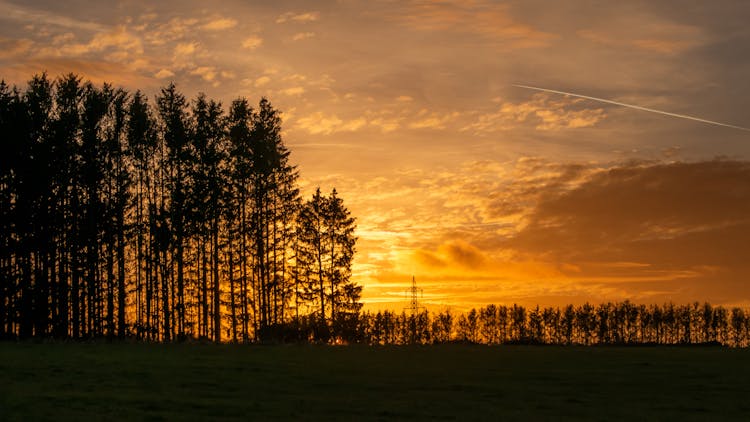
(484, 191)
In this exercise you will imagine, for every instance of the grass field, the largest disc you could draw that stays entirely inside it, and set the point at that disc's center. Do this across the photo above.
(452, 382)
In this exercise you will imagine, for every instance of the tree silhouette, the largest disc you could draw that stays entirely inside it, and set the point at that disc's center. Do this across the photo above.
(326, 249)
(142, 141)
(119, 219)
(206, 200)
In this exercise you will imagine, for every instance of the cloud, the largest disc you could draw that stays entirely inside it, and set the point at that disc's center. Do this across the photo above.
(35, 16)
(660, 201)
(173, 30)
(252, 42)
(658, 38)
(404, 99)
(425, 120)
(558, 119)
(302, 36)
(296, 77)
(645, 231)
(319, 123)
(453, 253)
(663, 46)
(185, 49)
(164, 73)
(538, 231)
(481, 17)
(678, 228)
(293, 91)
(119, 41)
(386, 124)
(184, 54)
(207, 73)
(219, 24)
(10, 48)
(148, 17)
(120, 38)
(63, 38)
(382, 121)
(261, 81)
(541, 111)
(298, 17)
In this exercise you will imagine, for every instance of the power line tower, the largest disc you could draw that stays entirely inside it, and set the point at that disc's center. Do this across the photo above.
(414, 293)
(414, 308)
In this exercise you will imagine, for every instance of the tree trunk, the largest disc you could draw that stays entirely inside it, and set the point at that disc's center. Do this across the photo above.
(216, 285)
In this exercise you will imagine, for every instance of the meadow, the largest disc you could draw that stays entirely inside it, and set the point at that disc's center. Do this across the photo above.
(80, 381)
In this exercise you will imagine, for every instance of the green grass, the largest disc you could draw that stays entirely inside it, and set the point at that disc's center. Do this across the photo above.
(453, 382)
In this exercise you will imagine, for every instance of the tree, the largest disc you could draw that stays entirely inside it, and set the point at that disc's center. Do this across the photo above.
(468, 327)
(275, 200)
(207, 199)
(142, 143)
(488, 324)
(121, 219)
(442, 327)
(312, 251)
(339, 231)
(326, 235)
(8, 157)
(119, 201)
(236, 211)
(92, 182)
(172, 108)
(63, 188)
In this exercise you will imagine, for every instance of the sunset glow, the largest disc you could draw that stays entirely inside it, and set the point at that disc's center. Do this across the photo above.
(485, 192)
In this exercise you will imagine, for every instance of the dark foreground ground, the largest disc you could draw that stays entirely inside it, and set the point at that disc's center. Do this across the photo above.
(456, 382)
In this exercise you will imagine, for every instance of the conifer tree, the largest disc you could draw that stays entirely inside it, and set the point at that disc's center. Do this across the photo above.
(121, 219)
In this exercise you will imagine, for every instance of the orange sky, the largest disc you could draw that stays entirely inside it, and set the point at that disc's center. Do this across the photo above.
(485, 192)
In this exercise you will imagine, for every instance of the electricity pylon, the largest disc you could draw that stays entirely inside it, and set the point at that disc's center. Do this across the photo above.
(414, 294)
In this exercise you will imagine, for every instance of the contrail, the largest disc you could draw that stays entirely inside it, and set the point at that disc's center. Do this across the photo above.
(602, 100)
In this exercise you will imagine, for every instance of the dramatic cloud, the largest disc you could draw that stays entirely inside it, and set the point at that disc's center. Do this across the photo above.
(674, 216)
(656, 232)
(556, 232)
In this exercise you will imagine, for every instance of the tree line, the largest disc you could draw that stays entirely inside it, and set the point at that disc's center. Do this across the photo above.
(622, 323)
(162, 221)
(179, 219)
